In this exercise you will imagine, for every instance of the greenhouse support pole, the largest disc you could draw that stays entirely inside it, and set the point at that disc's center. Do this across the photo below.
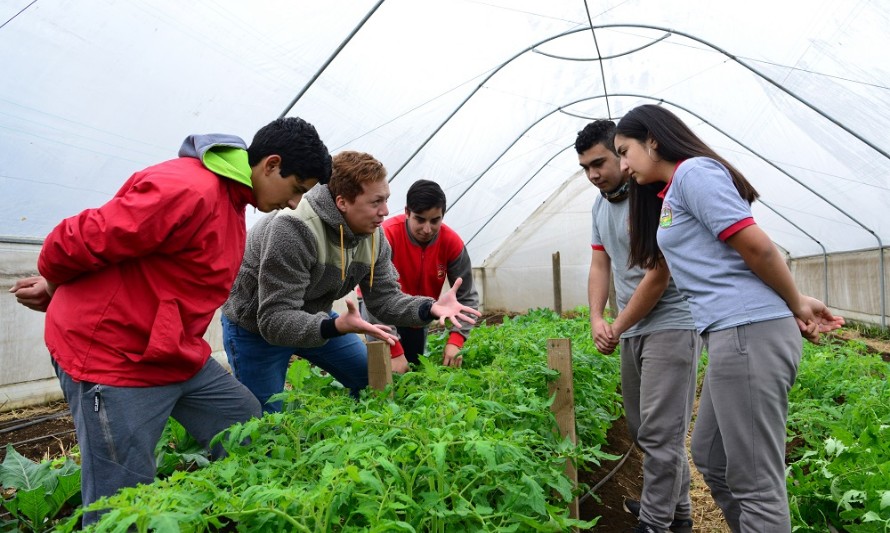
(824, 251)
(883, 289)
(599, 57)
(557, 284)
(559, 358)
(743, 145)
(328, 62)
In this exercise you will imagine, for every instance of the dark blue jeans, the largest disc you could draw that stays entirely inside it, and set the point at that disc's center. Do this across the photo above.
(262, 367)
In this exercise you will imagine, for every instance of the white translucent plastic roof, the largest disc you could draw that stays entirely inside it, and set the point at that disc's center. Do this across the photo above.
(484, 97)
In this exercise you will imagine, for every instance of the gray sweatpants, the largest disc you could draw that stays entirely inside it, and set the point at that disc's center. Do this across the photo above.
(118, 427)
(738, 443)
(658, 373)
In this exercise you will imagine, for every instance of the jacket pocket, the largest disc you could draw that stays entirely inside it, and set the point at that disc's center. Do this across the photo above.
(168, 341)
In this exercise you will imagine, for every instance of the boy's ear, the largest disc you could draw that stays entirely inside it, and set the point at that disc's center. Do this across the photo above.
(271, 163)
(340, 203)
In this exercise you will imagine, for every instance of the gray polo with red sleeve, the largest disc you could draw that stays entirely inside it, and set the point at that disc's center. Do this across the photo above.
(701, 209)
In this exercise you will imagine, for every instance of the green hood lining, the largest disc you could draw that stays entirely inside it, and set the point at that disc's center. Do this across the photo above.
(230, 162)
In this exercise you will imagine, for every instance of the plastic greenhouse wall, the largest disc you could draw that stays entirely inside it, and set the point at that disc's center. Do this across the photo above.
(853, 282)
(518, 276)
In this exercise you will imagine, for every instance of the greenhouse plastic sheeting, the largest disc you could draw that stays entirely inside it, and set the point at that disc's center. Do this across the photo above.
(484, 97)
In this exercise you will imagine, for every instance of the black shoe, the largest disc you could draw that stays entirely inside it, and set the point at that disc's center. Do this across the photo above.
(679, 525)
(643, 527)
(632, 507)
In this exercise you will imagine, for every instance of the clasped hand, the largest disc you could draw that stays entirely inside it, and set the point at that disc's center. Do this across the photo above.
(814, 318)
(34, 292)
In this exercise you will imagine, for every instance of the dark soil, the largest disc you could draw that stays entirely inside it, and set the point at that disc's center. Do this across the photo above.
(625, 482)
(38, 434)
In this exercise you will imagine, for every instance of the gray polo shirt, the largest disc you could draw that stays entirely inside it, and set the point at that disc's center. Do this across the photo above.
(610, 232)
(701, 209)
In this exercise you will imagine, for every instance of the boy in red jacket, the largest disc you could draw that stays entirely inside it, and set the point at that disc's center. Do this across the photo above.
(129, 289)
(425, 253)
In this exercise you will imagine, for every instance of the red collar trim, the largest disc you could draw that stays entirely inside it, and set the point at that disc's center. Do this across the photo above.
(664, 191)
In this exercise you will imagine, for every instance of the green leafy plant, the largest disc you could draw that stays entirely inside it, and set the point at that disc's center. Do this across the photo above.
(177, 450)
(473, 449)
(839, 429)
(39, 491)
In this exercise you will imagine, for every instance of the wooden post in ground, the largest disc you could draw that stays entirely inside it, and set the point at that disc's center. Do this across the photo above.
(379, 365)
(559, 357)
(557, 284)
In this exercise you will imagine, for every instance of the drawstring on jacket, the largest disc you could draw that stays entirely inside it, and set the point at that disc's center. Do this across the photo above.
(373, 256)
(343, 256)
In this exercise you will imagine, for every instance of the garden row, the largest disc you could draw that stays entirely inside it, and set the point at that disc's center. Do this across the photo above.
(470, 450)
(839, 441)
(473, 449)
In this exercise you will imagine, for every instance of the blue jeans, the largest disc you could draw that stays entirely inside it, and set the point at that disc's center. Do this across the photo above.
(262, 367)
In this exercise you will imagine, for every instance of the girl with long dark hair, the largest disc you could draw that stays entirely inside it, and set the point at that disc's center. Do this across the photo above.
(694, 207)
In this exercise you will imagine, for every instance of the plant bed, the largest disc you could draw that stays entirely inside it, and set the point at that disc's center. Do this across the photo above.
(815, 453)
(468, 449)
(38, 433)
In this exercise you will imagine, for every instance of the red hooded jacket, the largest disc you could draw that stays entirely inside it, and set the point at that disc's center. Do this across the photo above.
(141, 277)
(424, 269)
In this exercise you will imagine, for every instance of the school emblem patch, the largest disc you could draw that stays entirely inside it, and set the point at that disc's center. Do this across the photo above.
(667, 216)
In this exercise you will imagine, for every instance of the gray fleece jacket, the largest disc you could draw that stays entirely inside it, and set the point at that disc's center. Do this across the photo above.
(296, 265)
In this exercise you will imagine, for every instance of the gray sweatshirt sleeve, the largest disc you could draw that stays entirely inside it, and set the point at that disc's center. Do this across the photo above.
(286, 266)
(385, 299)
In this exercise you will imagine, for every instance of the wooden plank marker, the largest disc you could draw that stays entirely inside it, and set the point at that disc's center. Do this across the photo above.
(557, 284)
(379, 365)
(559, 358)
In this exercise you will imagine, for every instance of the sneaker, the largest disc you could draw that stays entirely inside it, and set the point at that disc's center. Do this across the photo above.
(679, 525)
(643, 527)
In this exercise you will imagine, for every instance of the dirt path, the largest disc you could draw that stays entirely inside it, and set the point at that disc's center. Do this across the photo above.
(38, 433)
(876, 346)
(627, 482)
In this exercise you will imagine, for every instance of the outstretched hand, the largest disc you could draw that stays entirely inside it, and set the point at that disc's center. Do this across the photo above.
(814, 318)
(448, 308)
(352, 322)
(34, 292)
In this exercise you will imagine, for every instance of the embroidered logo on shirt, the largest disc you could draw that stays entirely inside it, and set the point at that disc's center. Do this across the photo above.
(667, 217)
(440, 271)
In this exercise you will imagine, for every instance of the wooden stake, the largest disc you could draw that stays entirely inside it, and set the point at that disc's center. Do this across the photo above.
(379, 365)
(559, 357)
(557, 284)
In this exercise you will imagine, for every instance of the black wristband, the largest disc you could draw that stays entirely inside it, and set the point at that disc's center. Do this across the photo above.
(329, 329)
(425, 311)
